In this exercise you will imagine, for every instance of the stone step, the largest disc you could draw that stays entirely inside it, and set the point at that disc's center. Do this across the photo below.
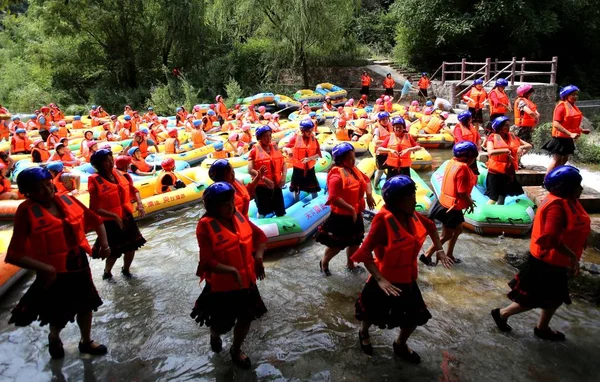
(594, 238)
(590, 199)
(526, 177)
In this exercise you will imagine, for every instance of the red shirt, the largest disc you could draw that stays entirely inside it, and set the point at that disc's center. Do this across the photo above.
(555, 223)
(560, 112)
(459, 137)
(463, 179)
(252, 157)
(377, 237)
(386, 141)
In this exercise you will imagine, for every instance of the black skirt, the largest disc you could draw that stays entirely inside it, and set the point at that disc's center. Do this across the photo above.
(380, 161)
(560, 146)
(540, 285)
(221, 310)
(477, 115)
(404, 311)
(389, 92)
(451, 219)
(339, 231)
(497, 185)
(70, 294)
(393, 171)
(304, 182)
(423, 92)
(123, 240)
(269, 201)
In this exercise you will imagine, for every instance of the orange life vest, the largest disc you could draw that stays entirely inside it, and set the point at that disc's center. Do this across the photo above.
(207, 123)
(4, 185)
(341, 134)
(468, 134)
(32, 125)
(523, 119)
(388, 106)
(13, 126)
(425, 119)
(141, 165)
(397, 261)
(43, 125)
(60, 187)
(19, 144)
(251, 116)
(198, 138)
(273, 162)
(241, 197)
(113, 197)
(572, 121)
(67, 158)
(44, 154)
(222, 154)
(500, 164)
(354, 188)
(434, 125)
(365, 80)
(449, 193)
(246, 137)
(171, 145)
(328, 107)
(158, 185)
(497, 101)
(302, 150)
(478, 97)
(77, 124)
(62, 131)
(47, 241)
(233, 249)
(148, 117)
(388, 83)
(143, 146)
(52, 141)
(124, 133)
(574, 236)
(399, 144)
(222, 110)
(383, 131)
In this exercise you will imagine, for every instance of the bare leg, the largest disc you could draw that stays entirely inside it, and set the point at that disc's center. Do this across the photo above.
(404, 334)
(365, 333)
(511, 310)
(127, 260)
(378, 175)
(545, 317)
(556, 161)
(452, 242)
(84, 321)
(110, 263)
(447, 234)
(240, 331)
(349, 252)
(330, 253)
(54, 333)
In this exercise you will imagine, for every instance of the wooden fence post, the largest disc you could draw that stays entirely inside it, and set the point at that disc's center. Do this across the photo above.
(443, 72)
(512, 70)
(522, 77)
(488, 67)
(463, 68)
(495, 66)
(554, 70)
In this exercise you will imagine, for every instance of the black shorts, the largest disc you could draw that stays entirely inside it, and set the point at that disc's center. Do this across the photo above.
(269, 201)
(497, 185)
(423, 92)
(380, 161)
(389, 92)
(306, 182)
(449, 219)
(477, 115)
(560, 146)
(393, 171)
(364, 90)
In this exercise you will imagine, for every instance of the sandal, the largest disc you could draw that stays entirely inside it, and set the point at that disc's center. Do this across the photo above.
(427, 261)
(242, 363)
(88, 348)
(324, 270)
(456, 260)
(500, 322)
(55, 348)
(406, 354)
(366, 348)
(549, 334)
(216, 344)
(126, 273)
(107, 276)
(355, 269)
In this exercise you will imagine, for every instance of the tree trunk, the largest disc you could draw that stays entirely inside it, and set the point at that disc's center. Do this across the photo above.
(304, 68)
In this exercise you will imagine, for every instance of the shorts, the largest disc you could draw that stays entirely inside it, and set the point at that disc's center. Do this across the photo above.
(477, 115)
(449, 219)
(269, 201)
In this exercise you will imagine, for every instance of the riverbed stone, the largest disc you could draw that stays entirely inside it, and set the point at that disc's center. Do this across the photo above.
(590, 199)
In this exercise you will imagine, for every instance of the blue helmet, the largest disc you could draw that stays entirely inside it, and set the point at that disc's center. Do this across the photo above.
(312, 114)
(14, 118)
(150, 108)
(478, 81)
(127, 118)
(53, 129)
(28, 179)
(56, 166)
(562, 179)
(218, 146)
(466, 149)
(261, 130)
(424, 74)
(397, 186)
(217, 192)
(340, 149)
(306, 124)
(429, 103)
(94, 107)
(197, 122)
(464, 116)
(76, 118)
(145, 130)
(398, 121)
(501, 82)
(98, 156)
(132, 151)
(564, 92)
(383, 114)
(498, 123)
(216, 172)
(178, 109)
(211, 112)
(19, 131)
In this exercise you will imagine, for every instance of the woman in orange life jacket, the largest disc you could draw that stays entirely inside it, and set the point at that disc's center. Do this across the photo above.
(221, 171)
(274, 123)
(558, 238)
(32, 123)
(391, 297)
(19, 143)
(381, 131)
(6, 192)
(110, 197)
(498, 101)
(107, 134)
(341, 133)
(328, 105)
(476, 98)
(566, 128)
(423, 85)
(62, 154)
(305, 151)
(504, 150)
(388, 85)
(167, 180)
(250, 116)
(136, 121)
(63, 132)
(365, 83)
(465, 130)
(140, 139)
(63, 181)
(39, 154)
(207, 123)
(246, 136)
(93, 113)
(172, 143)
(231, 260)
(269, 197)
(526, 114)
(138, 165)
(15, 124)
(53, 138)
(102, 113)
(180, 115)
(455, 196)
(362, 102)
(91, 148)
(399, 145)
(149, 116)
(128, 111)
(344, 228)
(77, 123)
(222, 111)
(125, 132)
(49, 238)
(88, 136)
(388, 103)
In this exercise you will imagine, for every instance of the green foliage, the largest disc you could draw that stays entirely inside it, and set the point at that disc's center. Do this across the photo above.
(234, 91)
(541, 135)
(586, 150)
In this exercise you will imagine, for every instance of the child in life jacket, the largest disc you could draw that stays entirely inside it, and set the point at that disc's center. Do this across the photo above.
(167, 180)
(219, 153)
(19, 143)
(342, 134)
(234, 146)
(39, 154)
(391, 297)
(6, 192)
(172, 143)
(138, 165)
(63, 181)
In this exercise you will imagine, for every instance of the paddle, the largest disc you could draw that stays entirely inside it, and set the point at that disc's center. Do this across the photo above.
(198, 185)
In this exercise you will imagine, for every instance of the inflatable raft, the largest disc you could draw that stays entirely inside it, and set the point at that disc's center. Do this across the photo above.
(258, 99)
(332, 91)
(329, 141)
(285, 102)
(9, 274)
(432, 141)
(514, 218)
(309, 96)
(421, 159)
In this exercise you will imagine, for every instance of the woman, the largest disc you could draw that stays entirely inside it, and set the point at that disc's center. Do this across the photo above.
(465, 130)
(498, 99)
(398, 146)
(526, 114)
(559, 235)
(344, 228)
(504, 151)
(231, 259)
(455, 196)
(110, 197)
(391, 297)
(328, 105)
(365, 83)
(6, 191)
(423, 84)
(566, 127)
(140, 140)
(49, 238)
(64, 182)
(269, 197)
(475, 99)
(88, 136)
(39, 153)
(221, 171)
(381, 131)
(388, 85)
(305, 151)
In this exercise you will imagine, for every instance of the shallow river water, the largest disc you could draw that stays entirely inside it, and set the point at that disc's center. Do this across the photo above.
(310, 332)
